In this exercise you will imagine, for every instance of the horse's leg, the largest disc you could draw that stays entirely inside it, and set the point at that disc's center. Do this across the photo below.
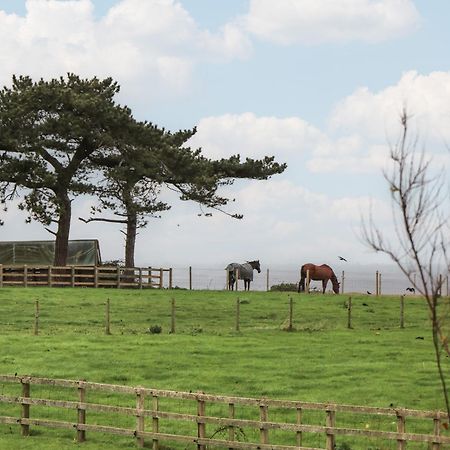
(301, 285)
(324, 285)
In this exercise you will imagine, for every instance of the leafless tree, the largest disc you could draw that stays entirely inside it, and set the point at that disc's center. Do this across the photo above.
(420, 244)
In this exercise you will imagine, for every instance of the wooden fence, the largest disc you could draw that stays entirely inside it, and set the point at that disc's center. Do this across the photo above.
(87, 276)
(149, 422)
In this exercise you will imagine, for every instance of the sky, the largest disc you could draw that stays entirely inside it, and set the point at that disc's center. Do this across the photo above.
(319, 84)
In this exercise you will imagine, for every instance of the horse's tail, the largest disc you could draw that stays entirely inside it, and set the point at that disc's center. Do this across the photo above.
(301, 283)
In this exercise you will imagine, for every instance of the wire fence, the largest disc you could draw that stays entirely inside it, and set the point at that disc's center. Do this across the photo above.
(359, 281)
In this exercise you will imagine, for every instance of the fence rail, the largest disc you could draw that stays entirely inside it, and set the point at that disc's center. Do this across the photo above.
(87, 276)
(262, 426)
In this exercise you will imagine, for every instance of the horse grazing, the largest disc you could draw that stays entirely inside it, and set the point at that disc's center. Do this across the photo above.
(243, 272)
(323, 273)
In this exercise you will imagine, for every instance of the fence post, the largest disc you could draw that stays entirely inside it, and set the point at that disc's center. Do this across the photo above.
(231, 431)
(25, 275)
(81, 412)
(118, 277)
(140, 277)
(263, 417)
(155, 421)
(342, 282)
(236, 277)
(170, 278)
(379, 283)
(107, 318)
(172, 321)
(402, 311)
(96, 277)
(307, 281)
(349, 315)
(72, 276)
(161, 275)
(201, 427)
(267, 281)
(1, 276)
(291, 314)
(238, 314)
(331, 420)
(140, 417)
(36, 318)
(401, 428)
(299, 422)
(376, 283)
(25, 407)
(437, 431)
(190, 278)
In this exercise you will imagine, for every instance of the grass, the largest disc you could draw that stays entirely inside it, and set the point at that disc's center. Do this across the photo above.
(375, 364)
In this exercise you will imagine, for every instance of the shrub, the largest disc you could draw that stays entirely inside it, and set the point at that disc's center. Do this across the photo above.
(155, 329)
(284, 287)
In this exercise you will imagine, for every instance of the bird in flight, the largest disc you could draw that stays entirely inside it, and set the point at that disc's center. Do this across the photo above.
(342, 258)
(410, 289)
(370, 293)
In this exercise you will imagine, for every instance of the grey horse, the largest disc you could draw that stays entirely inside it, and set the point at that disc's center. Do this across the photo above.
(242, 272)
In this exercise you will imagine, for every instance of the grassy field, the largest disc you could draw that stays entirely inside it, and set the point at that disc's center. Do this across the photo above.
(375, 364)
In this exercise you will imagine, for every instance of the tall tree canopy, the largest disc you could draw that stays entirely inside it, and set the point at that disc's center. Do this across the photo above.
(135, 174)
(49, 133)
(58, 136)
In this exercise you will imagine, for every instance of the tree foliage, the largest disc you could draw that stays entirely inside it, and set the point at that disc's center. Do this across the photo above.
(58, 136)
(49, 133)
(136, 173)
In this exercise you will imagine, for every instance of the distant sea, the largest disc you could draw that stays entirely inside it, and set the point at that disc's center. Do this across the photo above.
(356, 279)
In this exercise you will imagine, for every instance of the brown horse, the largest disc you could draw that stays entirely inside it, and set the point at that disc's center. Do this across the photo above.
(323, 273)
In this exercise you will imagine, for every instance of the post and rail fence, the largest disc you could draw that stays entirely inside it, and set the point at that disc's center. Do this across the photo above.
(191, 278)
(194, 418)
(85, 276)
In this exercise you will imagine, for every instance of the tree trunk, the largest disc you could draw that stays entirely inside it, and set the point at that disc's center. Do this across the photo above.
(62, 235)
(130, 239)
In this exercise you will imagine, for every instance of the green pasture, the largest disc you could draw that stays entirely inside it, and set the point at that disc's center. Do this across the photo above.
(376, 363)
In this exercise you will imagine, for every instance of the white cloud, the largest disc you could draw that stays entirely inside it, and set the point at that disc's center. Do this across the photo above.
(313, 22)
(377, 114)
(255, 137)
(154, 43)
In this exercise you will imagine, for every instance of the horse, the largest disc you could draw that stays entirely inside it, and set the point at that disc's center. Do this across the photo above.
(323, 273)
(244, 272)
